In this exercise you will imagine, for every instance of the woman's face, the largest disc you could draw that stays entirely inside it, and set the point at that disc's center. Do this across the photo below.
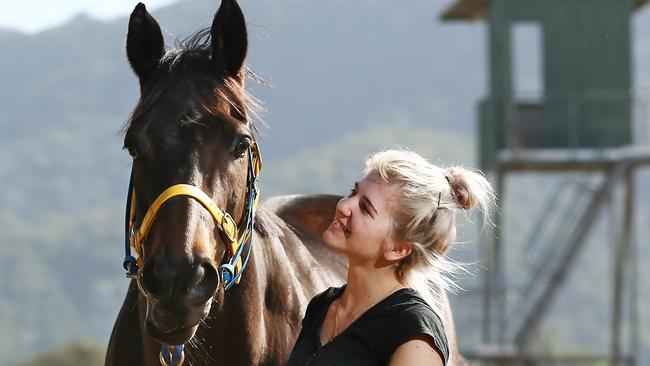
(362, 226)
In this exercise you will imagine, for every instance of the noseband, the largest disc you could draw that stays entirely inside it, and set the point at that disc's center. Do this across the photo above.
(234, 236)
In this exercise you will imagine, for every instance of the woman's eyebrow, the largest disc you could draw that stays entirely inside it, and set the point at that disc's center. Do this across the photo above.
(364, 198)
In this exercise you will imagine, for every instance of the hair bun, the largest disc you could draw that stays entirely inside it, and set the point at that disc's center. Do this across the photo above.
(460, 181)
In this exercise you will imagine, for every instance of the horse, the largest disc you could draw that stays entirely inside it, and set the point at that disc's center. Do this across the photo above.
(219, 279)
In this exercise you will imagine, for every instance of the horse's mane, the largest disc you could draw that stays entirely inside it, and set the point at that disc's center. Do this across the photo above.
(190, 59)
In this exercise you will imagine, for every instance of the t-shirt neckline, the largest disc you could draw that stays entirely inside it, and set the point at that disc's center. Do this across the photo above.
(336, 293)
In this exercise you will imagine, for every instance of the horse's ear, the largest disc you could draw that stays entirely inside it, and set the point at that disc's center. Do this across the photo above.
(229, 38)
(144, 43)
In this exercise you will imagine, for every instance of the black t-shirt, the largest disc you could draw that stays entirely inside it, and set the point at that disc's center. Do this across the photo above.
(373, 337)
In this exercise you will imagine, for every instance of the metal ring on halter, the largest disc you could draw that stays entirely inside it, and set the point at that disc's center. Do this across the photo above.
(138, 280)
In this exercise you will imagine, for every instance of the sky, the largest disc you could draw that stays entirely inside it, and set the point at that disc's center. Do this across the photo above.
(19, 15)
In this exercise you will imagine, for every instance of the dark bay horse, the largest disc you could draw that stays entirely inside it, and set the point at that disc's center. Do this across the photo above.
(191, 128)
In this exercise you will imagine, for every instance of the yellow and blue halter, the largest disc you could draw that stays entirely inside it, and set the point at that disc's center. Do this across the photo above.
(235, 237)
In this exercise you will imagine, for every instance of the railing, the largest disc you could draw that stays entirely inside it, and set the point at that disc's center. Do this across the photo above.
(598, 119)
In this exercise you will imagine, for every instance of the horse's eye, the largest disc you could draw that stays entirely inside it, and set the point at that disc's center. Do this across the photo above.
(132, 151)
(242, 146)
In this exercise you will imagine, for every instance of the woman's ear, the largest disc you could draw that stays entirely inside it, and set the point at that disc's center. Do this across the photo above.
(399, 250)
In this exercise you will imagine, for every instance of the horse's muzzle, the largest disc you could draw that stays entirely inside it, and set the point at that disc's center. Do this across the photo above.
(178, 297)
(173, 321)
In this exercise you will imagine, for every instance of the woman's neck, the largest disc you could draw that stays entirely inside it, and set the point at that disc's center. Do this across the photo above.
(367, 286)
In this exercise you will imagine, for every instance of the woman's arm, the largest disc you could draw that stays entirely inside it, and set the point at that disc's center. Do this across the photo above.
(416, 351)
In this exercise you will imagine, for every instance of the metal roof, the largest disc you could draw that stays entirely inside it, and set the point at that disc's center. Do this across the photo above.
(477, 9)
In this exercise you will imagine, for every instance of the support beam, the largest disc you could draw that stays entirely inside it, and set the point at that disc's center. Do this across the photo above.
(633, 261)
(620, 257)
(588, 160)
(492, 256)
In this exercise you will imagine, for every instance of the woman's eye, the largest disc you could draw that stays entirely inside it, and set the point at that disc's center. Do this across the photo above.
(352, 192)
(364, 208)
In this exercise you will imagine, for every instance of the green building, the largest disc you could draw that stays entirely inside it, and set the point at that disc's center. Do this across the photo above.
(584, 98)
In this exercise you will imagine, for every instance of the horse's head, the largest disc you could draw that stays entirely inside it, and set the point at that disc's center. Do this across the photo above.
(189, 127)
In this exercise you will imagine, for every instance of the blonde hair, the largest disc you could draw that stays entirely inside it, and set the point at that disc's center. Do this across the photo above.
(428, 197)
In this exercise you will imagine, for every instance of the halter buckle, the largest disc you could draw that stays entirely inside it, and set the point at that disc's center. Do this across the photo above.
(229, 227)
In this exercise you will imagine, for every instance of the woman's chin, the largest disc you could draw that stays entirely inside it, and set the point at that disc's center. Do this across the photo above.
(331, 239)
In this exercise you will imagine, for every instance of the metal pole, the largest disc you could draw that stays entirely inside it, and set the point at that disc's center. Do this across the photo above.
(491, 263)
(621, 253)
(499, 265)
(632, 275)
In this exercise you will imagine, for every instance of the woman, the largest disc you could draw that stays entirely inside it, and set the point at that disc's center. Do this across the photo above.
(394, 227)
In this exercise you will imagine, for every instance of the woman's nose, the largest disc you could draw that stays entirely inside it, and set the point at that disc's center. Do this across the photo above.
(343, 207)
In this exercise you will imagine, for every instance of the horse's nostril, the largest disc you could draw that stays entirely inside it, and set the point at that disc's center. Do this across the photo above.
(198, 275)
(205, 282)
(149, 280)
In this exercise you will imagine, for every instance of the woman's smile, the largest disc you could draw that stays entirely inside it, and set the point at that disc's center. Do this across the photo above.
(338, 226)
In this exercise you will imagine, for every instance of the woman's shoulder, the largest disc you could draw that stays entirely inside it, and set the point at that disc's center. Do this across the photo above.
(410, 305)
(407, 315)
(410, 298)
